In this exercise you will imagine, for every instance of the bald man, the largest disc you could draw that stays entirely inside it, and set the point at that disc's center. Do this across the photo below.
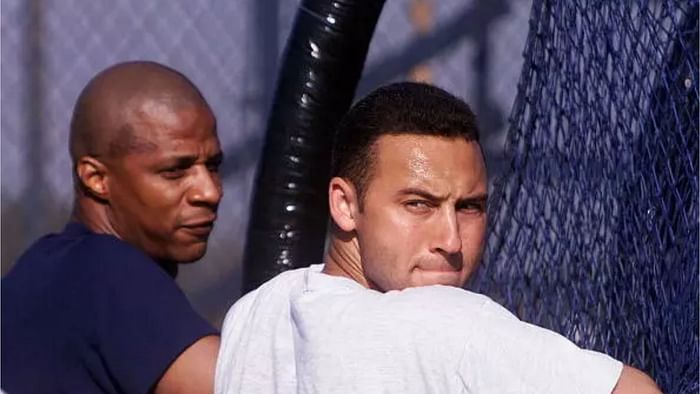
(94, 308)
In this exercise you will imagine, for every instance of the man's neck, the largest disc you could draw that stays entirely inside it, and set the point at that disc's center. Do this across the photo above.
(93, 216)
(343, 259)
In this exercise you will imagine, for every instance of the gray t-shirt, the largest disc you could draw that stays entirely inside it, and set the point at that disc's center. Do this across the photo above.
(308, 332)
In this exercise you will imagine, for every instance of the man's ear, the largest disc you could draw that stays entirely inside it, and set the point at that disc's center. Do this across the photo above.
(92, 175)
(343, 203)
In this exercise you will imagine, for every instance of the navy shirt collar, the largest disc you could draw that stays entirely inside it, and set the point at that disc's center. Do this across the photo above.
(74, 228)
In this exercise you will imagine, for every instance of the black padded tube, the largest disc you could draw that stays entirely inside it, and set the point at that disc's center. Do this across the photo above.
(320, 71)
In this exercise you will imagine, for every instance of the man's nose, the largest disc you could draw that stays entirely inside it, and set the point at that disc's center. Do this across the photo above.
(447, 239)
(206, 188)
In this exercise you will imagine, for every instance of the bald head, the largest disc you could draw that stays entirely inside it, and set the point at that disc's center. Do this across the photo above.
(109, 110)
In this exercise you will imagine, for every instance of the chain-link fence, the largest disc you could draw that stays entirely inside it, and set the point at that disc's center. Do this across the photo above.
(51, 48)
(473, 49)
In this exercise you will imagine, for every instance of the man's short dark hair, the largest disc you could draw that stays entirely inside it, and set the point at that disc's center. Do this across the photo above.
(399, 108)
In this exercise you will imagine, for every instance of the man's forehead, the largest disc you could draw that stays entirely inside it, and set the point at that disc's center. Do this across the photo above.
(129, 141)
(419, 152)
(164, 143)
(164, 109)
(158, 129)
(156, 111)
(429, 161)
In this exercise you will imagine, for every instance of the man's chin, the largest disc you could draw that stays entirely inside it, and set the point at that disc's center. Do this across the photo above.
(190, 254)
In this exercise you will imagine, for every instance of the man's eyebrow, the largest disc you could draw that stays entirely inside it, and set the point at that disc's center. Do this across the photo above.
(217, 157)
(421, 193)
(480, 198)
(188, 160)
(181, 161)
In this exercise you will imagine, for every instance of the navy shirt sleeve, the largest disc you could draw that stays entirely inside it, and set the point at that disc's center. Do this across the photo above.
(144, 321)
(89, 313)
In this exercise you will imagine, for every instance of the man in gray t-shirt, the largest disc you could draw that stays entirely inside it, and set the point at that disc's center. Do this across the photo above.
(386, 312)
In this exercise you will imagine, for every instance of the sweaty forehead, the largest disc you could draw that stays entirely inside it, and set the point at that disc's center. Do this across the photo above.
(157, 126)
(129, 141)
(444, 165)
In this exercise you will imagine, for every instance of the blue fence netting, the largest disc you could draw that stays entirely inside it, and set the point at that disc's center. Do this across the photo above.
(594, 228)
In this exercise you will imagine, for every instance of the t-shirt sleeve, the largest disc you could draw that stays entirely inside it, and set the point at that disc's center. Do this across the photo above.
(511, 356)
(144, 320)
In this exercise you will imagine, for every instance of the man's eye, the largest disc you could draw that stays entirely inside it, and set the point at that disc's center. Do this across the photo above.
(214, 167)
(417, 206)
(173, 173)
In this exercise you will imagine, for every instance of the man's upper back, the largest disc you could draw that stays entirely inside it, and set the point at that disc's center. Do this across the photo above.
(309, 332)
(257, 351)
(351, 339)
(83, 312)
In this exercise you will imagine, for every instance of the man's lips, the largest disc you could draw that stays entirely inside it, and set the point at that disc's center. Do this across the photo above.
(439, 267)
(446, 268)
(199, 227)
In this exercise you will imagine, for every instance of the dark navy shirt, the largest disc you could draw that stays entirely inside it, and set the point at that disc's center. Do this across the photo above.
(88, 313)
